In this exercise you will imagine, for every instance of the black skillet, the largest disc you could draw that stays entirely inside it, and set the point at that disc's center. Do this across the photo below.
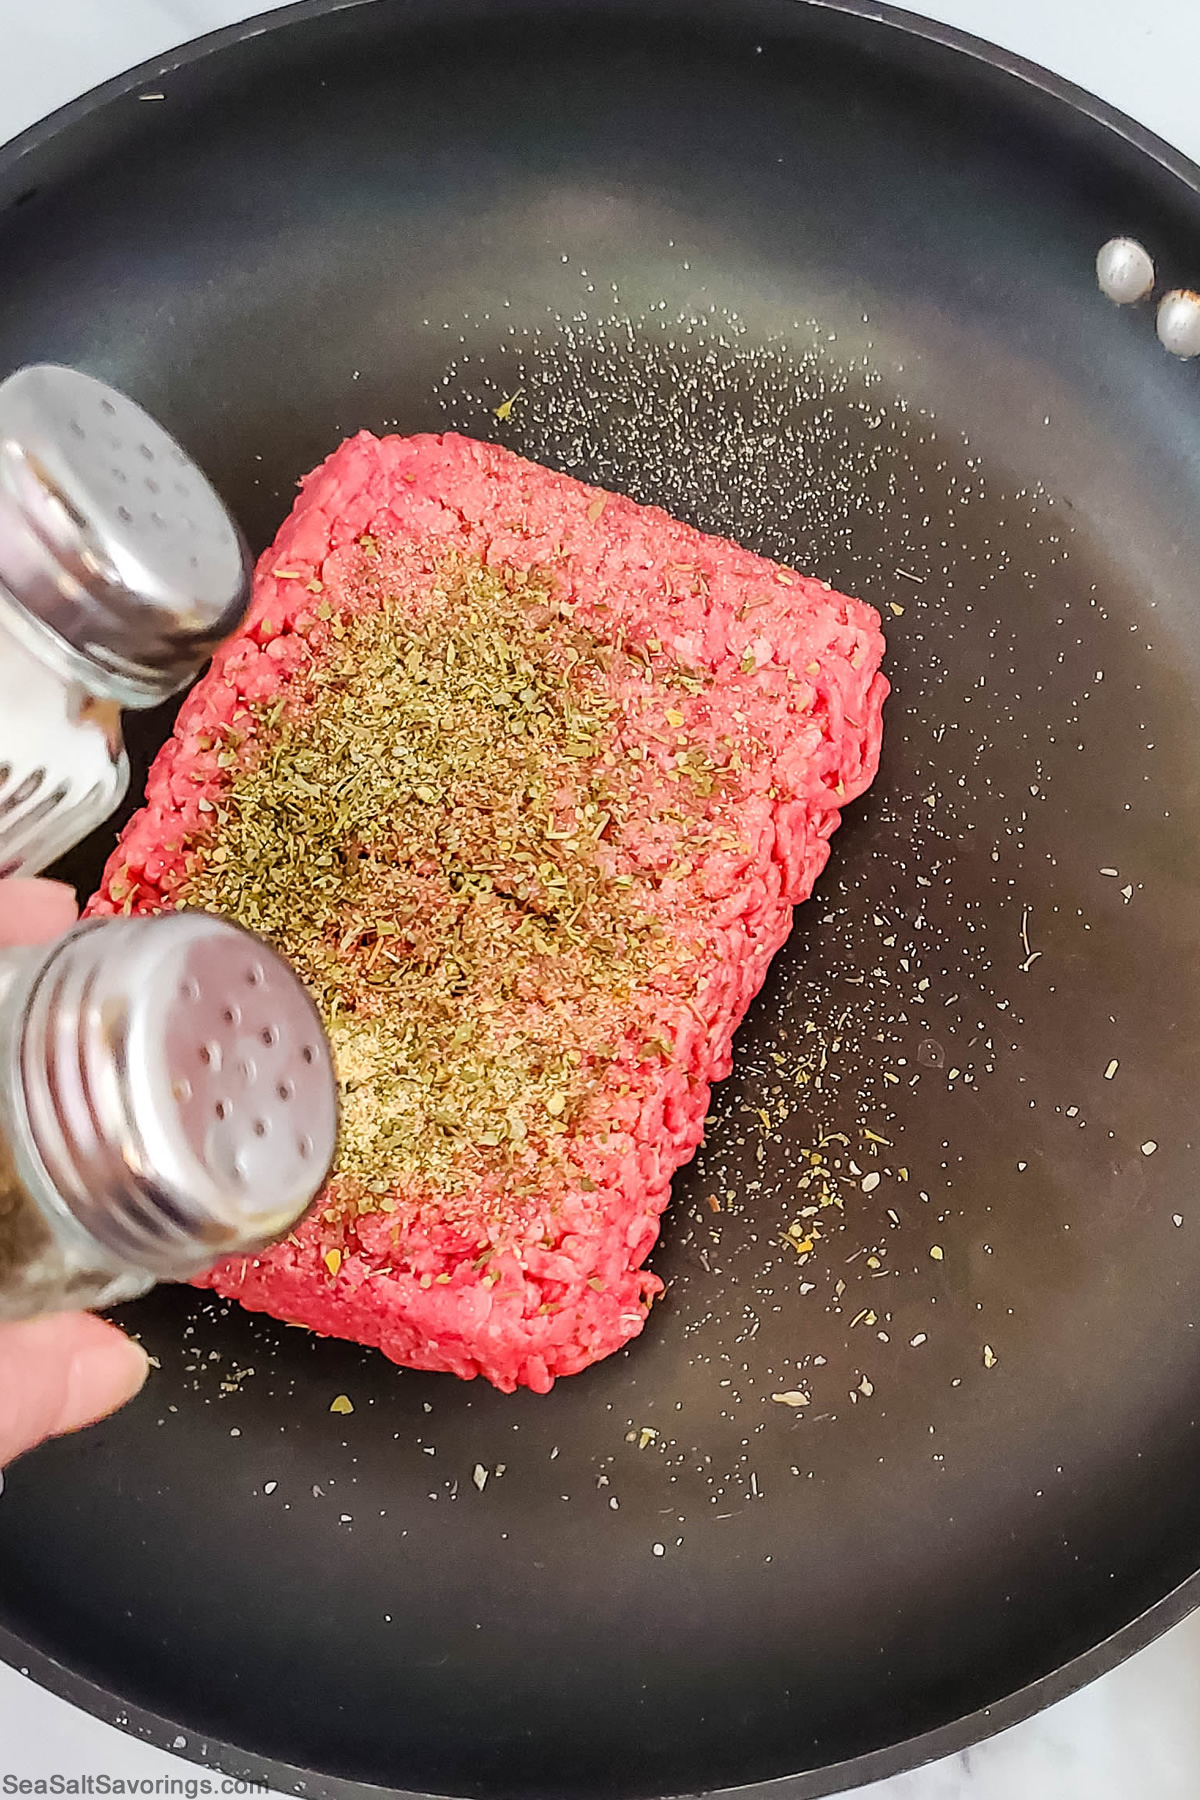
(819, 276)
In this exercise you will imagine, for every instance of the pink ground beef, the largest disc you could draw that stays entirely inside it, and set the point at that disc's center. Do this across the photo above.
(791, 675)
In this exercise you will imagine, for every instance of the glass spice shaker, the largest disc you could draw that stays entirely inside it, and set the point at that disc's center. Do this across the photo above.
(120, 573)
(167, 1096)
(167, 1099)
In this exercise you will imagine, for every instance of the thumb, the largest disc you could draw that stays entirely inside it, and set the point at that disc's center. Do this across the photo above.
(60, 1372)
(31, 912)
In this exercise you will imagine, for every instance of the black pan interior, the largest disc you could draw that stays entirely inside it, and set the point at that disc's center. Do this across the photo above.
(817, 281)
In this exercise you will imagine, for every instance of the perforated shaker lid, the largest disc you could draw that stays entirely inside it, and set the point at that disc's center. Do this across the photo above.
(177, 1088)
(111, 539)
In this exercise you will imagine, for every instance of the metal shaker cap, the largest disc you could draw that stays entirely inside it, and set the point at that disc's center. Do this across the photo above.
(177, 1089)
(111, 539)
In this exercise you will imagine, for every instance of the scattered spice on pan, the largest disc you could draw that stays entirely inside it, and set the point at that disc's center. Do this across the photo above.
(504, 410)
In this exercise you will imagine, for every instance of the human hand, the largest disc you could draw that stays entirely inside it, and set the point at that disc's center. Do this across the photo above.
(68, 1369)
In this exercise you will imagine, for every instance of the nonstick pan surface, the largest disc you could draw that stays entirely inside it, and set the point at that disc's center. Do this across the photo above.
(821, 278)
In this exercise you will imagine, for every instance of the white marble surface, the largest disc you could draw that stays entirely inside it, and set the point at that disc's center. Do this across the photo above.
(1138, 1730)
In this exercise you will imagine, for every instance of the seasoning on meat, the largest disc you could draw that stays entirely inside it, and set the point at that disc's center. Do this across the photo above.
(525, 780)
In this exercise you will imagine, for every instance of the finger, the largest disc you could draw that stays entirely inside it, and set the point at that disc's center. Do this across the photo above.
(60, 1372)
(33, 911)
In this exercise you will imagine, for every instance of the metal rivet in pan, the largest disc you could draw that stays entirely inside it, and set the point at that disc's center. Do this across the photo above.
(1178, 322)
(1124, 270)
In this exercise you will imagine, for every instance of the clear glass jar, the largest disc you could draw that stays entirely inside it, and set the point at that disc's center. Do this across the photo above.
(167, 1094)
(167, 1098)
(70, 772)
(120, 573)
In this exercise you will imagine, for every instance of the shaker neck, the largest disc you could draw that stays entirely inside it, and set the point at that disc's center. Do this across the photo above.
(69, 665)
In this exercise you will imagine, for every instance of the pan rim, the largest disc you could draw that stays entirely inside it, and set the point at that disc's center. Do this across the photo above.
(909, 1753)
(879, 12)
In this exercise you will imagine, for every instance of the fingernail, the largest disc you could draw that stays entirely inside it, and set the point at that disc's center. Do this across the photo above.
(101, 1378)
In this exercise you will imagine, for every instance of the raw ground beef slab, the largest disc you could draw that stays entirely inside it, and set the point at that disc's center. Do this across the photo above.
(526, 779)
